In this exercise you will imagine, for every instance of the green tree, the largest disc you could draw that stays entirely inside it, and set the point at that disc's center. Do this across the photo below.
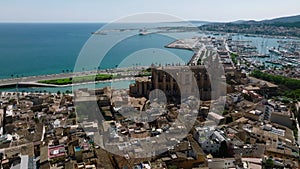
(229, 119)
(269, 164)
(223, 151)
(172, 167)
(72, 115)
(36, 120)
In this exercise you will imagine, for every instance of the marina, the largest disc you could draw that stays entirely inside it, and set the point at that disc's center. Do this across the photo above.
(266, 51)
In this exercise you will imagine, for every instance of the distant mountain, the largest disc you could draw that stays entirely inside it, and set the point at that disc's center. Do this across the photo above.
(239, 21)
(194, 22)
(284, 26)
(289, 19)
(197, 22)
(281, 20)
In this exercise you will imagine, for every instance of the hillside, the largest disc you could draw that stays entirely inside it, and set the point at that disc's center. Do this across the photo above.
(284, 26)
(289, 19)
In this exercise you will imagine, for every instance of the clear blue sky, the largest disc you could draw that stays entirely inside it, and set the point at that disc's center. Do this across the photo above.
(109, 10)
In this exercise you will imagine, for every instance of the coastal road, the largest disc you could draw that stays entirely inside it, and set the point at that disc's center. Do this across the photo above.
(196, 56)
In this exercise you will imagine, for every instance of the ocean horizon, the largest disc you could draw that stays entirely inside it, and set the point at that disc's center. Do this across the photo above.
(28, 49)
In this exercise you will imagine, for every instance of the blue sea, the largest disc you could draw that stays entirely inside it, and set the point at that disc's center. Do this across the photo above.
(34, 49)
(28, 49)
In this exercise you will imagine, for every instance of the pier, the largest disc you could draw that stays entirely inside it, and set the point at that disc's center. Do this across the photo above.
(193, 44)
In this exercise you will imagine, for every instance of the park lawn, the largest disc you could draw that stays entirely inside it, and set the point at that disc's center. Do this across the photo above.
(80, 79)
(234, 58)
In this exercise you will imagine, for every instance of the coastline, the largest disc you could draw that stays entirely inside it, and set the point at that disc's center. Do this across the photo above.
(33, 84)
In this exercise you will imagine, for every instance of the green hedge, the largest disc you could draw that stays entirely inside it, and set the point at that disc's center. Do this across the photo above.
(291, 83)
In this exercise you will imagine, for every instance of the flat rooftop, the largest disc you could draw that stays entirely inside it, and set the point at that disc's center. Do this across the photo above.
(56, 151)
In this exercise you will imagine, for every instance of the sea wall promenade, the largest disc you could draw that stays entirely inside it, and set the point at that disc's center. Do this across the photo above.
(33, 81)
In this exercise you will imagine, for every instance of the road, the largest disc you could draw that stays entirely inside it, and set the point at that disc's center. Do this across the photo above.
(298, 139)
(196, 56)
